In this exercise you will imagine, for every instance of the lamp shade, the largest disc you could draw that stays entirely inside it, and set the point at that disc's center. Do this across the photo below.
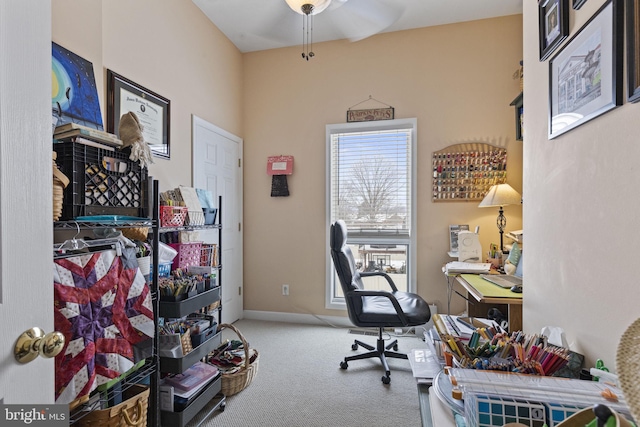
(501, 195)
(318, 5)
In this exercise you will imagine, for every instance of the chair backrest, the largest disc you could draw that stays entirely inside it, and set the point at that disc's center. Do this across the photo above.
(346, 270)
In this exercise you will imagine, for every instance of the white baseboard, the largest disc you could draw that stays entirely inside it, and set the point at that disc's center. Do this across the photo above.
(312, 319)
(274, 316)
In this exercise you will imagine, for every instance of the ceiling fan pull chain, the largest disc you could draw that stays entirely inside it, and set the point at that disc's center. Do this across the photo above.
(311, 54)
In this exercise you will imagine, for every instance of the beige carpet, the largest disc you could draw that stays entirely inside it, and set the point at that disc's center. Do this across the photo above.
(300, 384)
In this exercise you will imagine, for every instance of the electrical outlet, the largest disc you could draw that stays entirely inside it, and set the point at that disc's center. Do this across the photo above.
(285, 289)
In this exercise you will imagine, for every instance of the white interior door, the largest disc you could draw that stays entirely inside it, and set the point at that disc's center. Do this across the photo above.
(26, 233)
(217, 166)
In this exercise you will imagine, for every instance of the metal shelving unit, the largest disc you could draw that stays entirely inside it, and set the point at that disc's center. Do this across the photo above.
(99, 399)
(212, 391)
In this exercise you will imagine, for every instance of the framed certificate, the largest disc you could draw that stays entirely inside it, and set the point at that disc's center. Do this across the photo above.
(152, 110)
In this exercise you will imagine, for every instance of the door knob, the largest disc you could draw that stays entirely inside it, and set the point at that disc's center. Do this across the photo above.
(33, 343)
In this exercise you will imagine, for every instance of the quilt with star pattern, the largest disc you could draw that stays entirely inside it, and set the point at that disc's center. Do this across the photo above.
(103, 307)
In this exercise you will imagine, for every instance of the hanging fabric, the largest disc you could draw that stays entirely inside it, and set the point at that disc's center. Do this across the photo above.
(103, 308)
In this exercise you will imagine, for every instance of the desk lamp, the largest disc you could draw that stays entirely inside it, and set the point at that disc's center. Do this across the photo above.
(501, 195)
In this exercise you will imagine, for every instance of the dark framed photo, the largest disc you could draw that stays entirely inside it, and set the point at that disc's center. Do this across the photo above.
(553, 25)
(633, 50)
(577, 4)
(585, 76)
(152, 110)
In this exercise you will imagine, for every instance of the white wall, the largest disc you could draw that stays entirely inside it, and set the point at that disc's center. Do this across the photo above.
(580, 213)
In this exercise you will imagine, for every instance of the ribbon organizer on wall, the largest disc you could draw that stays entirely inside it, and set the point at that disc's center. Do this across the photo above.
(465, 172)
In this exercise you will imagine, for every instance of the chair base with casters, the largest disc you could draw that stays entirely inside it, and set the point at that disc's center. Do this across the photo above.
(380, 351)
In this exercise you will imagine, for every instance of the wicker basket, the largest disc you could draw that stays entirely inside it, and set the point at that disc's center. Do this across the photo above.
(238, 381)
(131, 412)
(628, 366)
(60, 182)
(586, 417)
(135, 233)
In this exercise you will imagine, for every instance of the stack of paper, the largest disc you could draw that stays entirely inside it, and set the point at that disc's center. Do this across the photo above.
(459, 267)
(424, 364)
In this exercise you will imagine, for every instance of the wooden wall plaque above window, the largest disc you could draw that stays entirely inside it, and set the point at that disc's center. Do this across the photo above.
(465, 172)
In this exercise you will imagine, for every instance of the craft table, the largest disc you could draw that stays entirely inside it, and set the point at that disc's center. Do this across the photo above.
(486, 295)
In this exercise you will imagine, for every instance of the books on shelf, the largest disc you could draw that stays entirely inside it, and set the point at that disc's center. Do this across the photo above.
(69, 130)
(85, 141)
(459, 267)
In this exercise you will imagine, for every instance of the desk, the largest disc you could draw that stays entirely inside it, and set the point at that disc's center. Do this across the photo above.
(488, 296)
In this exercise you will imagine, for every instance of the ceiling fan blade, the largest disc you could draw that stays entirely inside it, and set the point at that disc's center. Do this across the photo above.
(359, 19)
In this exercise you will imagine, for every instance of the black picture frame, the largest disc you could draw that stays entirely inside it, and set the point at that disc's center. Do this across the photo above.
(585, 76)
(153, 111)
(577, 4)
(553, 25)
(633, 50)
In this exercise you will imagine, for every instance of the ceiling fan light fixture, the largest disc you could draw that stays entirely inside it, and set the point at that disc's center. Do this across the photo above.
(308, 8)
(302, 6)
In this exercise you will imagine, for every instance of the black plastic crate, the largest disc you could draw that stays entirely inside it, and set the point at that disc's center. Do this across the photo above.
(103, 182)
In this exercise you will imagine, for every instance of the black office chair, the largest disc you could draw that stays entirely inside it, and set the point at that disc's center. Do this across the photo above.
(368, 308)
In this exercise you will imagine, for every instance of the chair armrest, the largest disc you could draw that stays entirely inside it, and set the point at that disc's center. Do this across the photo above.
(389, 295)
(380, 273)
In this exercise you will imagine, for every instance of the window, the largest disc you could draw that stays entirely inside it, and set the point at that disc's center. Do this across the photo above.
(370, 186)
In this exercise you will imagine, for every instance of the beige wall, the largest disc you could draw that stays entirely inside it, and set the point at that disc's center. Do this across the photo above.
(455, 79)
(168, 47)
(580, 213)
(579, 189)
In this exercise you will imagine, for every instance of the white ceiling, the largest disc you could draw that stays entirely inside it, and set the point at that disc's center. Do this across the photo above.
(254, 25)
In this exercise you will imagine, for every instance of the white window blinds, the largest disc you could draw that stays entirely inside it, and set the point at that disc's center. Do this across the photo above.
(371, 181)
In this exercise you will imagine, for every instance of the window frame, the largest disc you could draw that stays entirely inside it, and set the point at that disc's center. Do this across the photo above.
(338, 303)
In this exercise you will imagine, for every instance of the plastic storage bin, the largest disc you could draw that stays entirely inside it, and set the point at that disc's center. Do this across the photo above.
(103, 182)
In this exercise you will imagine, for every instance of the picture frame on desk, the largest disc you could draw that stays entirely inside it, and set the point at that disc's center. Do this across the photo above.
(585, 75)
(153, 111)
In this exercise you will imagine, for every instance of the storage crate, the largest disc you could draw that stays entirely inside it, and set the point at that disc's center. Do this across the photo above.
(103, 182)
(209, 255)
(188, 254)
(172, 216)
(495, 410)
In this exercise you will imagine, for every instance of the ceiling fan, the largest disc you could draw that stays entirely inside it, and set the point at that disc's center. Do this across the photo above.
(351, 19)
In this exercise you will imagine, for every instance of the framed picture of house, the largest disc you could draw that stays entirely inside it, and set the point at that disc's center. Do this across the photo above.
(585, 77)
(553, 23)
(633, 50)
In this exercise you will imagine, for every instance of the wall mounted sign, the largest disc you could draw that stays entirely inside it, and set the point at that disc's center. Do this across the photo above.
(280, 165)
(370, 114)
